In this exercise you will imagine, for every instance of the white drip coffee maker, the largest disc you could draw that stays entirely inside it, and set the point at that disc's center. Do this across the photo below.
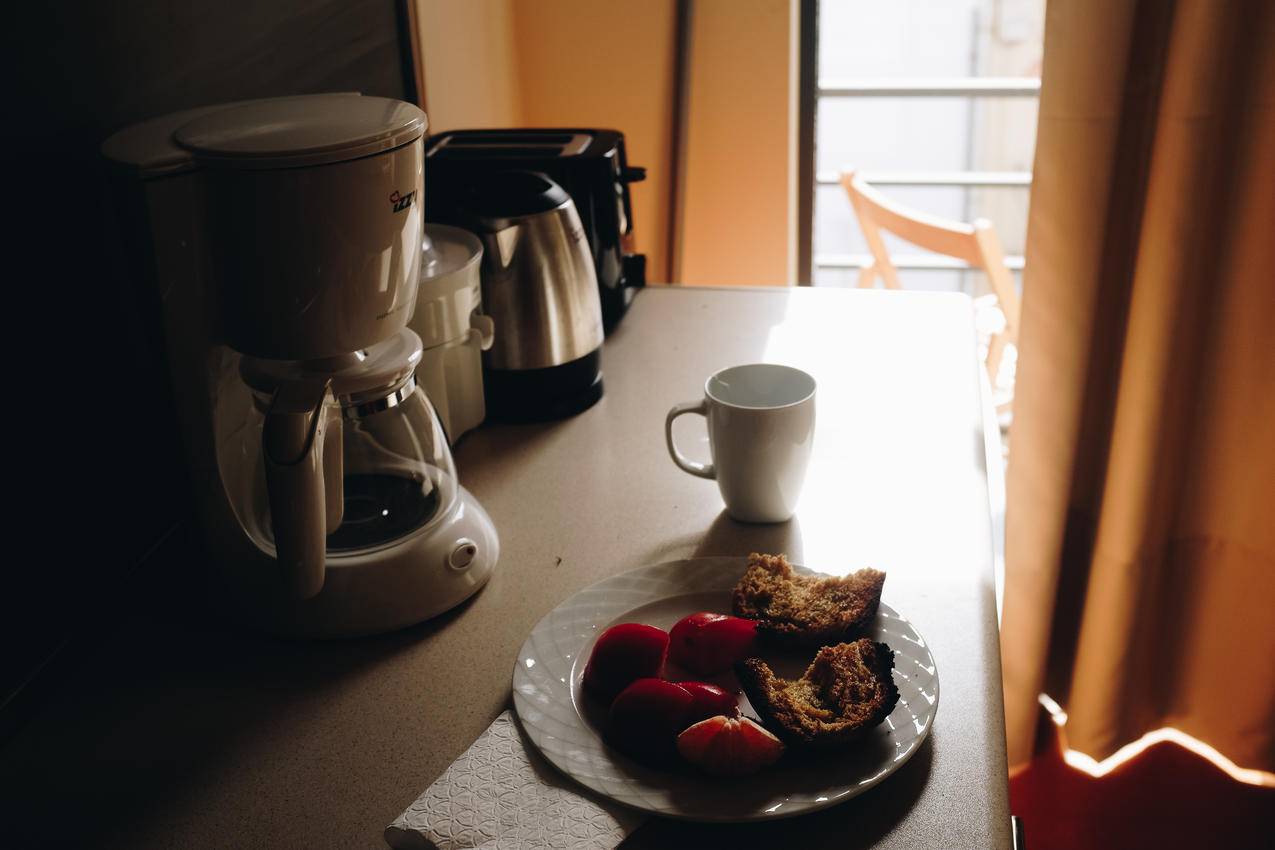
(283, 237)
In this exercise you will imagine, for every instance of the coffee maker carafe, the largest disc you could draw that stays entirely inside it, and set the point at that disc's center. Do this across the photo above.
(285, 243)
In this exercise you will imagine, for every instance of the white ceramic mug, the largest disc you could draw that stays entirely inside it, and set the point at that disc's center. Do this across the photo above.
(761, 427)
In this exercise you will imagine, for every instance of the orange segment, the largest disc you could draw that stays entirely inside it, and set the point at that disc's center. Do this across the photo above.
(724, 746)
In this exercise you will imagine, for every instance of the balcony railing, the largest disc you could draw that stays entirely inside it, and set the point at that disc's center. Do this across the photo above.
(935, 178)
(933, 87)
(927, 87)
(932, 262)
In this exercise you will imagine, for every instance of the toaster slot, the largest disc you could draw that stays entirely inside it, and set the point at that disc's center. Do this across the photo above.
(501, 144)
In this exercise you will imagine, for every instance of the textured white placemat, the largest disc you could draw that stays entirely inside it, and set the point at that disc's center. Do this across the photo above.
(500, 795)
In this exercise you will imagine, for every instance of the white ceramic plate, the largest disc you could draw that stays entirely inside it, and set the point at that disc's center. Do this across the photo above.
(564, 723)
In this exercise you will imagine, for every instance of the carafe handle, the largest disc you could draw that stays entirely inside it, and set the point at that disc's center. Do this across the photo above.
(292, 439)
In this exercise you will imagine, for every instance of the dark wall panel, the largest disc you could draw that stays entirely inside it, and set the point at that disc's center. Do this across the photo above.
(96, 465)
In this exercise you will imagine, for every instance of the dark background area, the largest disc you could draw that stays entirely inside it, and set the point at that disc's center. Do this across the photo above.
(99, 479)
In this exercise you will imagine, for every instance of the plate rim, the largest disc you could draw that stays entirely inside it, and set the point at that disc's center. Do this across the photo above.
(520, 699)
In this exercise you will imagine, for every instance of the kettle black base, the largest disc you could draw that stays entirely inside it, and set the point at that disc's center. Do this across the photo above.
(542, 395)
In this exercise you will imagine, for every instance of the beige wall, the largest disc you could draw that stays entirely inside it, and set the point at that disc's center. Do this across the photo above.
(607, 64)
(470, 68)
(540, 63)
(490, 63)
(738, 212)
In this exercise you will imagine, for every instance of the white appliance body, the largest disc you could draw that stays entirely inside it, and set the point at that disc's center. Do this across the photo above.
(300, 259)
(452, 327)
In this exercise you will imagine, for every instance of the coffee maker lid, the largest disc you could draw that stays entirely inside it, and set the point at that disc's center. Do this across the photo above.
(148, 150)
(306, 130)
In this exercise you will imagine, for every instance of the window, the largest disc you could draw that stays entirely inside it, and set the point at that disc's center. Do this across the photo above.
(935, 102)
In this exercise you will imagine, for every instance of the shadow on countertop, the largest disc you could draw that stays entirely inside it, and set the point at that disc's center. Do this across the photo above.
(153, 700)
(728, 536)
(857, 823)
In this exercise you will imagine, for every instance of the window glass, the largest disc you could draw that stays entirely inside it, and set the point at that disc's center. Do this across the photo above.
(907, 139)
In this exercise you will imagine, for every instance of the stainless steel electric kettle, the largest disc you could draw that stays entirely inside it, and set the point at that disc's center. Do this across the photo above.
(540, 290)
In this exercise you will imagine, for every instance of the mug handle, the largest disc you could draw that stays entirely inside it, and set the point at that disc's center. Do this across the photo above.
(703, 470)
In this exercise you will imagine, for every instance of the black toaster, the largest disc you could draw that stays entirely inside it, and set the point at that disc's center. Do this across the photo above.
(589, 164)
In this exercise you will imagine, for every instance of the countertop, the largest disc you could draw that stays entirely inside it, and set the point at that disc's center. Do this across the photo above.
(179, 731)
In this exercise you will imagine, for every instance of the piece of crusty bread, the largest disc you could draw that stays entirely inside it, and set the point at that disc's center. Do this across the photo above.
(805, 610)
(847, 690)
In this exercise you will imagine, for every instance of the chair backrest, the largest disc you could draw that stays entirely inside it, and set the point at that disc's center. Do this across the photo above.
(877, 212)
(976, 244)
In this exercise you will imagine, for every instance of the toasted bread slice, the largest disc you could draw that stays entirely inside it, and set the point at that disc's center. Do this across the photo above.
(847, 690)
(806, 610)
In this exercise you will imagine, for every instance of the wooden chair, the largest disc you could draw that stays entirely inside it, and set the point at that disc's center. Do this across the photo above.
(976, 244)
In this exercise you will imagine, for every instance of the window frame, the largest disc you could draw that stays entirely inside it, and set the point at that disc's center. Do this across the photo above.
(811, 90)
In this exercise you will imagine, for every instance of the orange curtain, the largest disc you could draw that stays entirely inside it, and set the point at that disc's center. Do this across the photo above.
(1140, 541)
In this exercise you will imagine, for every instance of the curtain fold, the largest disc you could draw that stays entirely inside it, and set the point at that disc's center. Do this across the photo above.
(1140, 538)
